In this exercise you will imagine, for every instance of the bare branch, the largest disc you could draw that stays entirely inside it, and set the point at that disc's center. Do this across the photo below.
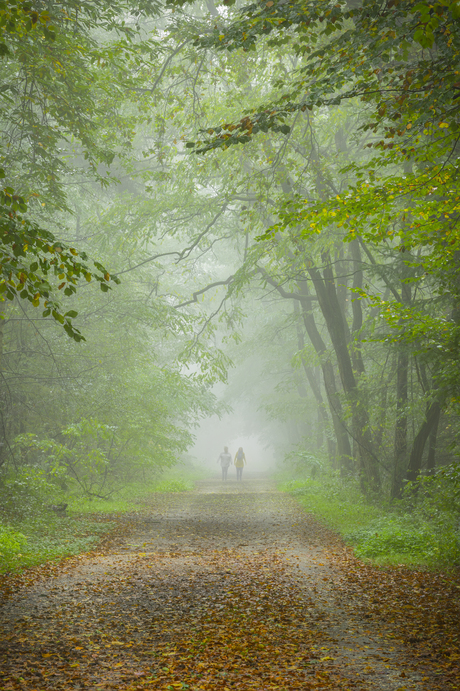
(163, 69)
(204, 290)
(280, 289)
(180, 255)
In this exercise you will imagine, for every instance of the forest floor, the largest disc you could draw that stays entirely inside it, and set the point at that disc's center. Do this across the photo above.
(231, 586)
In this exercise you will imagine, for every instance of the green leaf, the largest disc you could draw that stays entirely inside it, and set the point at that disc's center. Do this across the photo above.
(454, 9)
(58, 317)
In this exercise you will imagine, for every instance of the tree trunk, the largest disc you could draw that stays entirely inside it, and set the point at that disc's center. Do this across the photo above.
(344, 452)
(433, 411)
(358, 277)
(323, 419)
(316, 390)
(431, 460)
(2, 392)
(400, 442)
(328, 302)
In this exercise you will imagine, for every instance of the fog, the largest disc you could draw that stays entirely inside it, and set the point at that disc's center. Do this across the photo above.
(187, 264)
(229, 225)
(216, 433)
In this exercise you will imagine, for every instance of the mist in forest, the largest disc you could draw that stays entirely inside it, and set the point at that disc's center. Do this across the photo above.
(231, 240)
(214, 434)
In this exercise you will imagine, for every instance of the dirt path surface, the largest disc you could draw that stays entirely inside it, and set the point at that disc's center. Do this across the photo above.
(231, 586)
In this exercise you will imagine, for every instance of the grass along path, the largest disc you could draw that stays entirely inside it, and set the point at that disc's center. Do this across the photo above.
(227, 587)
(39, 536)
(423, 534)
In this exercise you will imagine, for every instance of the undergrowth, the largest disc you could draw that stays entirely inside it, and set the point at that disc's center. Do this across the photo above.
(31, 533)
(422, 529)
(48, 538)
(128, 498)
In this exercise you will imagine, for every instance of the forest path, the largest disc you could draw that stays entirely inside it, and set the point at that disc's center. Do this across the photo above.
(231, 586)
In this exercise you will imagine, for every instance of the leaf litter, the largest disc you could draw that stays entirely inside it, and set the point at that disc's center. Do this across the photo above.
(227, 588)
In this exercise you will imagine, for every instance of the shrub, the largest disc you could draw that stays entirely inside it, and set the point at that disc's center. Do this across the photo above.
(301, 461)
(437, 494)
(422, 528)
(407, 535)
(27, 493)
(11, 545)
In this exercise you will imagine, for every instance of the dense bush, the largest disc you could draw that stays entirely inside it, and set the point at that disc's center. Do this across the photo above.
(26, 492)
(437, 494)
(11, 545)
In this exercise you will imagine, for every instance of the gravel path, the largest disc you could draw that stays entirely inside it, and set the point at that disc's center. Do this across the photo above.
(231, 586)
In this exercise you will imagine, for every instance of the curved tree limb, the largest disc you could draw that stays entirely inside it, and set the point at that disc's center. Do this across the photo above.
(204, 290)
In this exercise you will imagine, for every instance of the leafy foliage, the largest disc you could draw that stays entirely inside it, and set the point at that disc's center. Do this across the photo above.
(12, 543)
(26, 492)
(410, 536)
(361, 76)
(301, 460)
(28, 254)
(51, 103)
(372, 52)
(439, 492)
(49, 539)
(421, 529)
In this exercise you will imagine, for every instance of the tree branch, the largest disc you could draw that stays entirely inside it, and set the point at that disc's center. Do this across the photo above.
(180, 255)
(280, 289)
(204, 290)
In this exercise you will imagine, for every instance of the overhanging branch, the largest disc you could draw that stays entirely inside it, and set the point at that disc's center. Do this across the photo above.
(197, 293)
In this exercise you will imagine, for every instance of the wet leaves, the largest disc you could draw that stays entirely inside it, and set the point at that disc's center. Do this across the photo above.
(223, 597)
(234, 619)
(420, 608)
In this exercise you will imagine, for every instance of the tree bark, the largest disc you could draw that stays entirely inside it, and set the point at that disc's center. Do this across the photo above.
(316, 390)
(431, 460)
(2, 392)
(433, 411)
(327, 298)
(400, 440)
(344, 452)
(357, 310)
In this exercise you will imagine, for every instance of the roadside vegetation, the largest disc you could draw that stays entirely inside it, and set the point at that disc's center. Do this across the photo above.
(35, 529)
(188, 186)
(422, 529)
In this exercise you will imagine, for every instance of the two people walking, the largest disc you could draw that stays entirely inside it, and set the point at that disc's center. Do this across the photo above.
(225, 460)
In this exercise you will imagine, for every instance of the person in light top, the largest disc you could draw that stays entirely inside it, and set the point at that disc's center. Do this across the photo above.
(225, 460)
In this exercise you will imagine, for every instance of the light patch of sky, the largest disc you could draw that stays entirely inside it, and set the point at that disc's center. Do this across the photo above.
(223, 11)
